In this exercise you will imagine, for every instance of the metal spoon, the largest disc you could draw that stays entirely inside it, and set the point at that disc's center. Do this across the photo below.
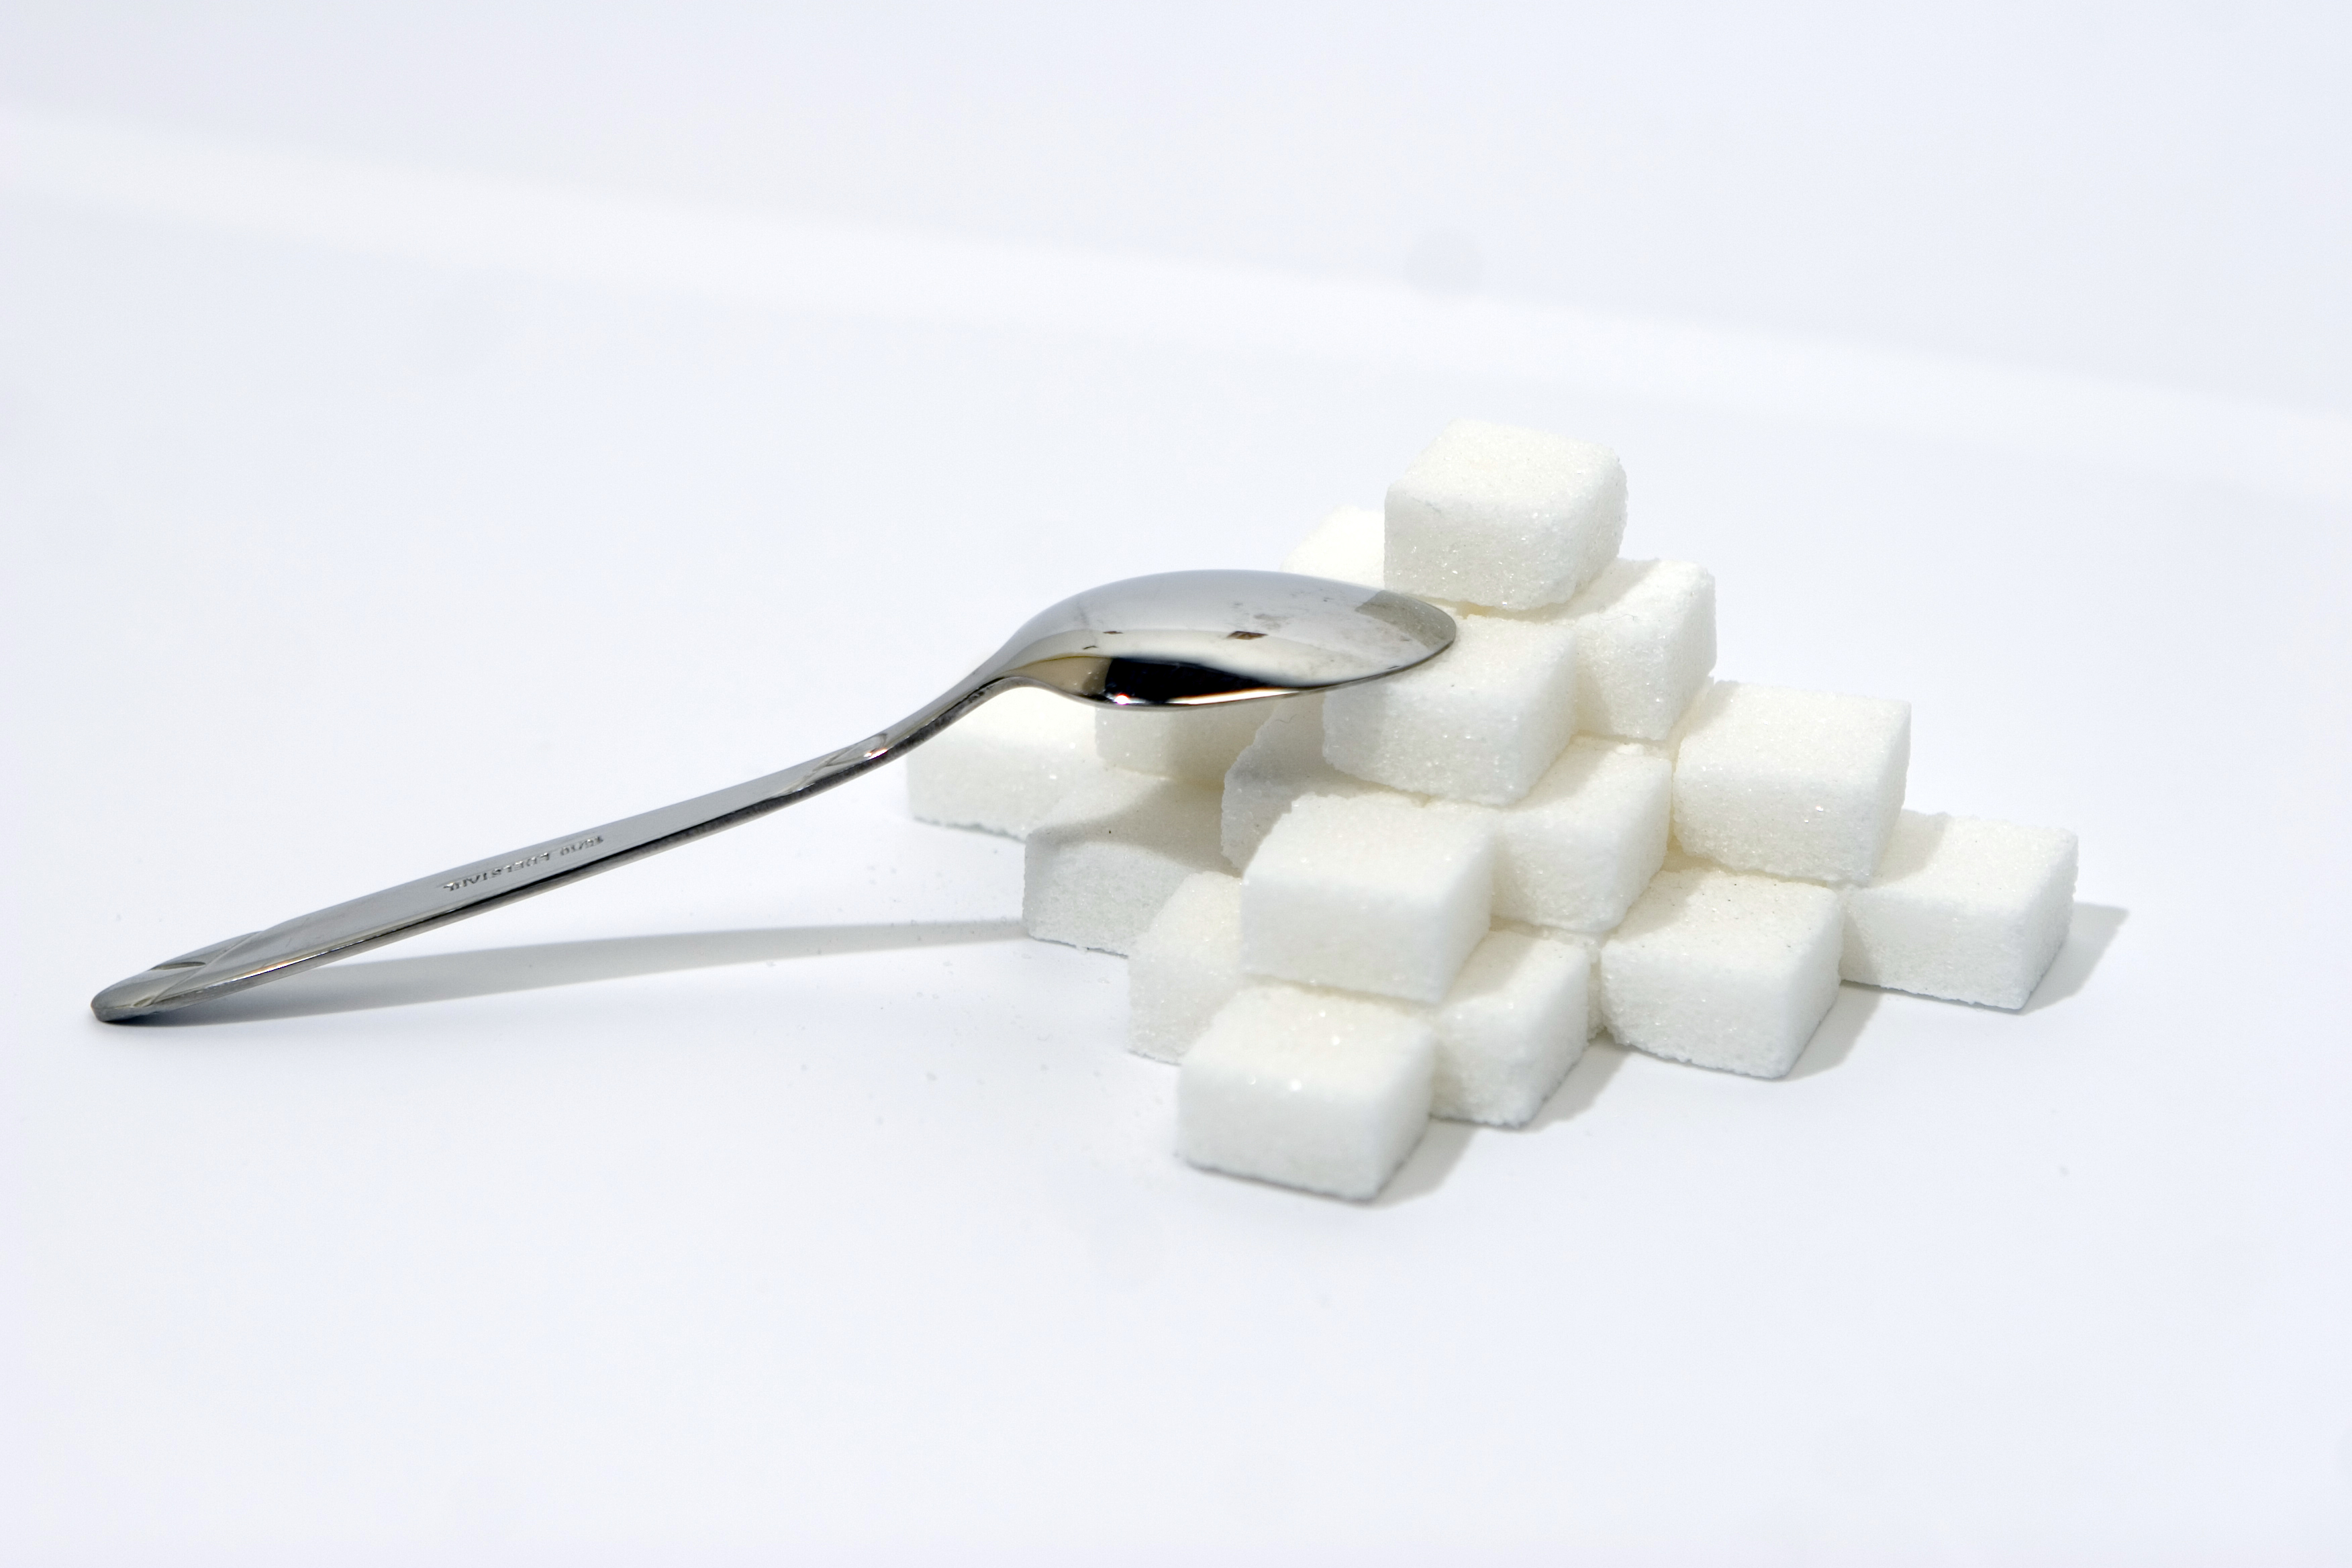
(1181, 640)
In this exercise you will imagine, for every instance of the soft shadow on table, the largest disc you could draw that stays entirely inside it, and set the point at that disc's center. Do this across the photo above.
(488, 972)
(1833, 1042)
(1426, 1168)
(1442, 1147)
(1583, 1085)
(2088, 941)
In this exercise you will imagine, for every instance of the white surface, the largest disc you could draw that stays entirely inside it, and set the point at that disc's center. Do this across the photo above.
(475, 221)
(347, 542)
(2013, 181)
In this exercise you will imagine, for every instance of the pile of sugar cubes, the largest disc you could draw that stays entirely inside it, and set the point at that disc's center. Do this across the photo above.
(1422, 896)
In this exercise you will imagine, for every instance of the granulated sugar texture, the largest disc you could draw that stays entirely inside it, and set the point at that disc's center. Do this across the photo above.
(1421, 896)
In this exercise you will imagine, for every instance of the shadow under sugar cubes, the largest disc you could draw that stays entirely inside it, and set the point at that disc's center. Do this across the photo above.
(1450, 880)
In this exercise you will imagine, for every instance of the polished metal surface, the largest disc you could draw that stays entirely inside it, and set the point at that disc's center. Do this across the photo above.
(1181, 639)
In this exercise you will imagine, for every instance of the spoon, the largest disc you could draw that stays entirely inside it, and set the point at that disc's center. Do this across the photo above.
(1178, 639)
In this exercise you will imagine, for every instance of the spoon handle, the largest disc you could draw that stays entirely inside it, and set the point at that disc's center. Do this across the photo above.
(325, 935)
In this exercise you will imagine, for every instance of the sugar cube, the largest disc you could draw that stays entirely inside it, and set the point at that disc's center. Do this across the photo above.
(1479, 722)
(1345, 546)
(1576, 853)
(1510, 1028)
(1310, 1088)
(1596, 1021)
(1504, 517)
(1590, 946)
(1372, 893)
(1185, 966)
(1110, 853)
(1797, 783)
(1723, 969)
(1003, 765)
(1644, 646)
(1283, 762)
(1197, 743)
(1961, 909)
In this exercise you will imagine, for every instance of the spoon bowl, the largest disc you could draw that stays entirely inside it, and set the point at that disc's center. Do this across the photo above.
(1178, 639)
(1188, 638)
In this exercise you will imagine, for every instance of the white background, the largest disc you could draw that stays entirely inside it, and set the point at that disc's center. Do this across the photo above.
(426, 429)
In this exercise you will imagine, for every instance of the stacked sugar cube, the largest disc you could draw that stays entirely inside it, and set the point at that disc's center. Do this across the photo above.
(1423, 896)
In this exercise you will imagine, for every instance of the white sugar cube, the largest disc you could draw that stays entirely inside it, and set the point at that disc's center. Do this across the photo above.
(1197, 743)
(1479, 722)
(1283, 762)
(1003, 765)
(1497, 515)
(1723, 969)
(1110, 853)
(1186, 965)
(1644, 646)
(1798, 783)
(1345, 547)
(1310, 1088)
(1590, 946)
(1514, 1024)
(1372, 893)
(1969, 911)
(1575, 854)
(1671, 745)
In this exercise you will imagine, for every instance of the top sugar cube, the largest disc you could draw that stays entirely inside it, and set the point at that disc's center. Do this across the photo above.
(1502, 517)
